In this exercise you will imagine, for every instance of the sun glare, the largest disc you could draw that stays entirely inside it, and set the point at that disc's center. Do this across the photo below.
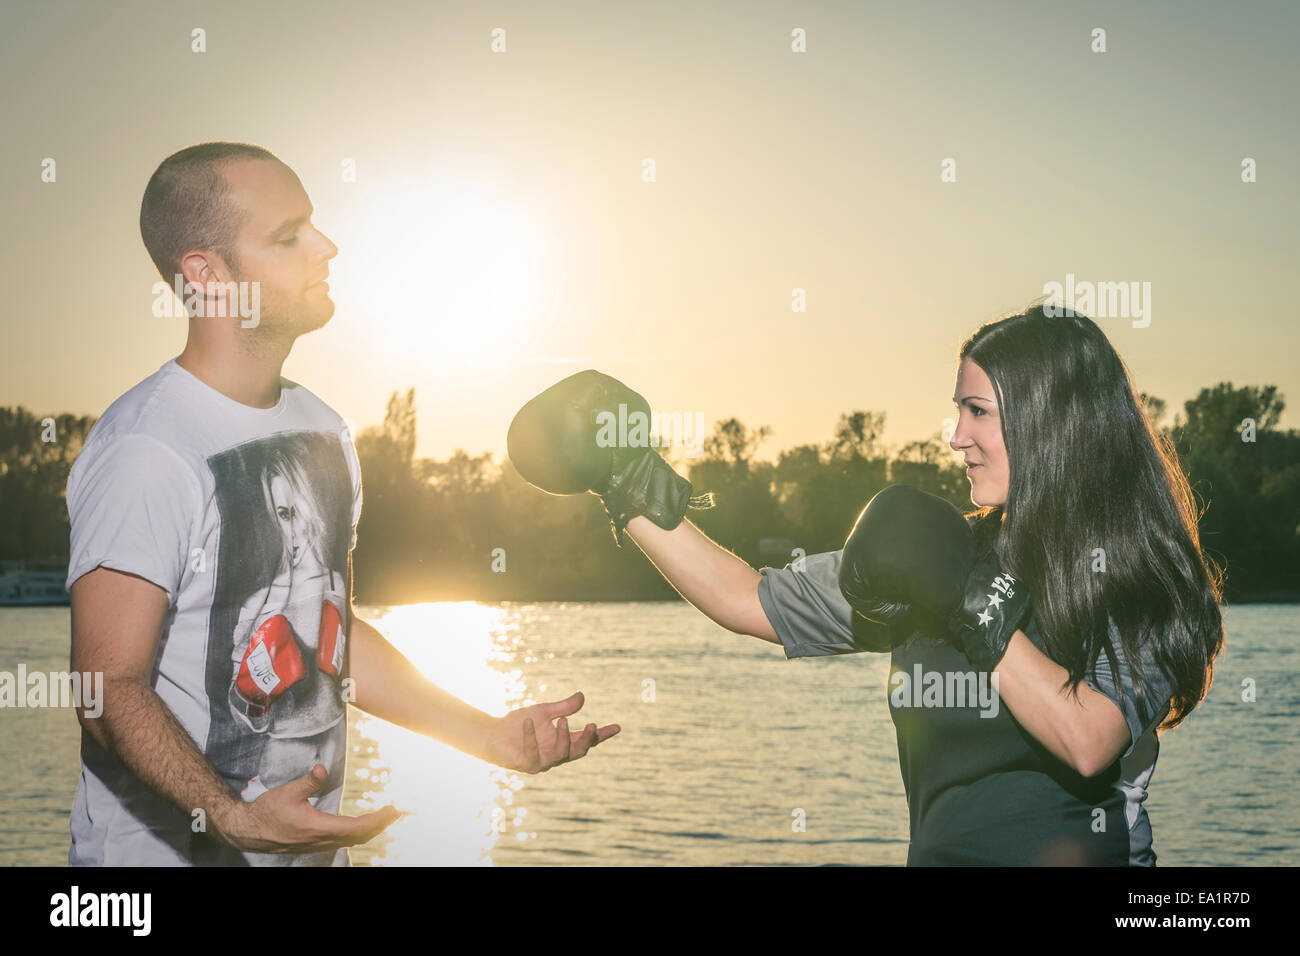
(456, 806)
(443, 271)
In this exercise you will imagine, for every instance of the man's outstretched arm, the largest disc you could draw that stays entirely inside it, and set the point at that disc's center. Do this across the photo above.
(390, 687)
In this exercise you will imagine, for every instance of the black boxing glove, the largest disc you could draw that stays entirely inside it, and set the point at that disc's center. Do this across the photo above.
(993, 606)
(565, 441)
(906, 560)
(911, 562)
(873, 636)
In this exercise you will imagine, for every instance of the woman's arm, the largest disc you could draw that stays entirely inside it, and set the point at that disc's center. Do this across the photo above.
(1088, 733)
(720, 585)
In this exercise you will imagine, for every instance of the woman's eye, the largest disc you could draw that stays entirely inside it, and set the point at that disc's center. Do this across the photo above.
(288, 242)
(976, 411)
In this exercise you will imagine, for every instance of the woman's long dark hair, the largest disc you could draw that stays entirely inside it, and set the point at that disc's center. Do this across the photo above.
(1088, 472)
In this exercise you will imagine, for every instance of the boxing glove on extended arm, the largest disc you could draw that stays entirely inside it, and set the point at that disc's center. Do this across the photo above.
(911, 558)
(590, 432)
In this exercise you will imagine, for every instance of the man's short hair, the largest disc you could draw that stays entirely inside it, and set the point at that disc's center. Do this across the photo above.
(187, 205)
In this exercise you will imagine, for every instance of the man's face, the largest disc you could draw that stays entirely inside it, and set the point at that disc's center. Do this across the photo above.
(277, 246)
(979, 436)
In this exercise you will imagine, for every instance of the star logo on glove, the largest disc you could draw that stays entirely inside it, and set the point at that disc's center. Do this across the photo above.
(985, 616)
(995, 601)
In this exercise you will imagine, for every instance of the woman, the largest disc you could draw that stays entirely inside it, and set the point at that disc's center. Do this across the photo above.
(300, 611)
(1080, 500)
(1085, 502)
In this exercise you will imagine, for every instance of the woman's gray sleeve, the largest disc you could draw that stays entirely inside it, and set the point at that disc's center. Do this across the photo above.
(805, 607)
(1119, 688)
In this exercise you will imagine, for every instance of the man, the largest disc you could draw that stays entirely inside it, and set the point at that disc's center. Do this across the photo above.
(214, 510)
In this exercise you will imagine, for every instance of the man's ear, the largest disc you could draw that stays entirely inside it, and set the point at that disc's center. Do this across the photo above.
(200, 269)
(204, 266)
(196, 269)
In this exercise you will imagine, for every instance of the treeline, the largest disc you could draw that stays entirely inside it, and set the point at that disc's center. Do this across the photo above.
(468, 528)
(36, 454)
(430, 529)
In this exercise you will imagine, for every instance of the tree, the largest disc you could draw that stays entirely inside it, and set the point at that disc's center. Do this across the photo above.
(857, 436)
(734, 444)
(1250, 490)
(1155, 407)
(932, 466)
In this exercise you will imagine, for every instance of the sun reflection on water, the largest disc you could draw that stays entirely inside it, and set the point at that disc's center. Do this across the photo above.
(455, 805)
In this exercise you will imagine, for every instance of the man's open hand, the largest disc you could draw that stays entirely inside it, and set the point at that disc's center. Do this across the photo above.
(528, 741)
(283, 821)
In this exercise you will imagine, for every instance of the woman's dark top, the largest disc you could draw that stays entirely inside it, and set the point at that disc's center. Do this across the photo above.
(980, 789)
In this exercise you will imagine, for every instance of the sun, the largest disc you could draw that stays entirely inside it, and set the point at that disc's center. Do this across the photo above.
(444, 270)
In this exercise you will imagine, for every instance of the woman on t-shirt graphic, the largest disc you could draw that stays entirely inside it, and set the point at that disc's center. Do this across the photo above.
(1038, 644)
(287, 665)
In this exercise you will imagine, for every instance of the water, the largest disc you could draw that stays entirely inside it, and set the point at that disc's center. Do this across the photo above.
(724, 741)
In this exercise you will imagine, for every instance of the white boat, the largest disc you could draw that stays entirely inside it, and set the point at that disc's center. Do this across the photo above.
(33, 583)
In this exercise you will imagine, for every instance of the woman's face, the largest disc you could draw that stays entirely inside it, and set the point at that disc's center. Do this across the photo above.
(291, 521)
(979, 436)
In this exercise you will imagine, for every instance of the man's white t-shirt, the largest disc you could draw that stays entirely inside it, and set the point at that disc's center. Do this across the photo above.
(246, 517)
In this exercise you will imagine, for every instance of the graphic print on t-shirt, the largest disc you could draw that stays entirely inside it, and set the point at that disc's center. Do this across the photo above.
(277, 642)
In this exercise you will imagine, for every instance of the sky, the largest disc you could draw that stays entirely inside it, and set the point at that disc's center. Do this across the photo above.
(641, 188)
